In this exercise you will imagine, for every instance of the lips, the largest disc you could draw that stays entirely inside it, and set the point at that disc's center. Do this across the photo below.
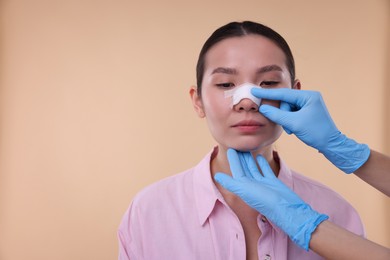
(248, 127)
(248, 123)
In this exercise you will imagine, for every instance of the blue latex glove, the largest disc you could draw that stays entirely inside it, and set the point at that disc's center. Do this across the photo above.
(304, 113)
(270, 197)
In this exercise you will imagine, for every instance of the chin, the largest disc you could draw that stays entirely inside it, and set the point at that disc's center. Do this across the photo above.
(251, 147)
(253, 144)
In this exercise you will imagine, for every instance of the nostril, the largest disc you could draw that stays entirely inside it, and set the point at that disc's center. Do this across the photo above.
(246, 105)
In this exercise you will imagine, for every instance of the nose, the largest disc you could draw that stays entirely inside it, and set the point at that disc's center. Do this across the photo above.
(247, 105)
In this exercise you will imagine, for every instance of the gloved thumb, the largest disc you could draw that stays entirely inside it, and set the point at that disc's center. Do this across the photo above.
(284, 106)
(279, 116)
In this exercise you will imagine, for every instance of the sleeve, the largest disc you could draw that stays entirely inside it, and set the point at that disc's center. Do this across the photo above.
(327, 201)
(124, 251)
(339, 210)
(349, 219)
(129, 236)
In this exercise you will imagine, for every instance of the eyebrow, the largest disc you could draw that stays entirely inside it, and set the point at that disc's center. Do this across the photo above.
(224, 70)
(268, 69)
(232, 71)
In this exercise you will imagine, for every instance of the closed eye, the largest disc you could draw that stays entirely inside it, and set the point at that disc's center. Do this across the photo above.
(268, 83)
(225, 85)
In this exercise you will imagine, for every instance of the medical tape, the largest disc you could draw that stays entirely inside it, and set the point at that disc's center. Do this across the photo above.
(240, 92)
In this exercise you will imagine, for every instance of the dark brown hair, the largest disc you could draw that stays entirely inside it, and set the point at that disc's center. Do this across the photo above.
(239, 29)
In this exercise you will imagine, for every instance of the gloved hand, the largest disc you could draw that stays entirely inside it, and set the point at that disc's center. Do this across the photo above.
(304, 113)
(270, 197)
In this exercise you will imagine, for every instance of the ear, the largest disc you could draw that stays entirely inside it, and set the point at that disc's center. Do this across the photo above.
(297, 84)
(197, 102)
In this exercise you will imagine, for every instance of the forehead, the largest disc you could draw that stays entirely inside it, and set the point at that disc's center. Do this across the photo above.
(245, 51)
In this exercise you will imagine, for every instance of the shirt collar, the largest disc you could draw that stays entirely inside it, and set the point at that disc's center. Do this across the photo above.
(205, 191)
(207, 194)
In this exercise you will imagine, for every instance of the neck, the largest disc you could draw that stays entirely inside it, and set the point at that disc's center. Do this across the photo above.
(220, 163)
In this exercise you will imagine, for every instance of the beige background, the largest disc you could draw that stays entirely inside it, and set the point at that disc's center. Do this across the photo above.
(94, 106)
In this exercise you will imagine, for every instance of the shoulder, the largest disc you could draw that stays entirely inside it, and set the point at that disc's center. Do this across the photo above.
(159, 199)
(309, 189)
(325, 200)
(166, 190)
(176, 190)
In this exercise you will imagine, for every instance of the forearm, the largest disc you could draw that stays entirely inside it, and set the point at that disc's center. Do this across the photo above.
(334, 242)
(376, 172)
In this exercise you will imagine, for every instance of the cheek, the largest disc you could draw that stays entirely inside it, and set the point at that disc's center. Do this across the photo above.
(216, 105)
(274, 134)
(278, 131)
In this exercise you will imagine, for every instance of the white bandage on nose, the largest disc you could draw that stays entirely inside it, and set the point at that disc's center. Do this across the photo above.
(240, 92)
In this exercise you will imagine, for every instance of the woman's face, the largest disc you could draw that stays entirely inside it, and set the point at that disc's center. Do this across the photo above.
(228, 64)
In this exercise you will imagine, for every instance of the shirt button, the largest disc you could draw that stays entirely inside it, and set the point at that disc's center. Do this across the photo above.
(264, 219)
(267, 257)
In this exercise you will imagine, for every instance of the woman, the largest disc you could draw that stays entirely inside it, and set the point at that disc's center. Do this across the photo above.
(189, 215)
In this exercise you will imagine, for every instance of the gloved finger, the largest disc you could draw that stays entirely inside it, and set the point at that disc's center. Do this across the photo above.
(265, 167)
(252, 167)
(287, 130)
(284, 106)
(295, 97)
(277, 115)
(227, 182)
(235, 164)
(244, 165)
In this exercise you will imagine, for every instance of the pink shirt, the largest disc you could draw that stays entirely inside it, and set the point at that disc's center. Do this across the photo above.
(185, 217)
